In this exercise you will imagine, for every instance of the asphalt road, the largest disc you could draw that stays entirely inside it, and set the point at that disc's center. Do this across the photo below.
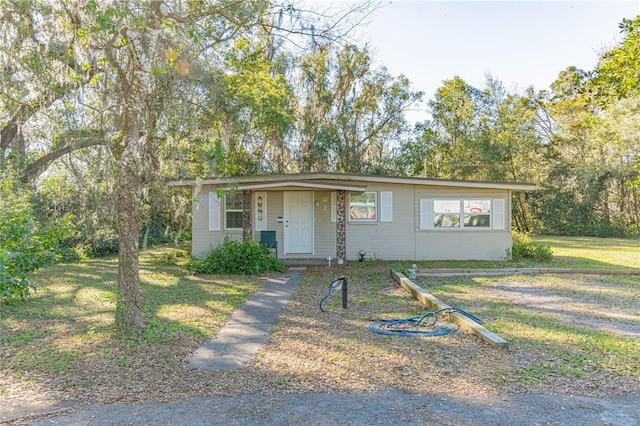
(380, 408)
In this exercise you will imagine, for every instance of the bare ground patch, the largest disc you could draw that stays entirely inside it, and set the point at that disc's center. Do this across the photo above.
(593, 302)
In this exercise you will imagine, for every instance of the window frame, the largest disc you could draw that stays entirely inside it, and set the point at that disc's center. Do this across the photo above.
(375, 207)
(457, 214)
(228, 210)
(471, 213)
(428, 214)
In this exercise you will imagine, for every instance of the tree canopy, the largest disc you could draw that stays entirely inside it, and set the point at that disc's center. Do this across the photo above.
(102, 101)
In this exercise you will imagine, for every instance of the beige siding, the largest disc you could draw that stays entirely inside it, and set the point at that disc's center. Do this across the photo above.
(401, 239)
(385, 240)
(435, 245)
(274, 209)
(200, 223)
(202, 239)
(325, 230)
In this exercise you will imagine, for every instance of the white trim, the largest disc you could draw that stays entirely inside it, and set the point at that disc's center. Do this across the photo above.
(386, 206)
(426, 213)
(214, 212)
(498, 214)
(303, 184)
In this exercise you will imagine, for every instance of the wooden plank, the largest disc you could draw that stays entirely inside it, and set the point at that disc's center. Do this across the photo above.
(533, 271)
(434, 304)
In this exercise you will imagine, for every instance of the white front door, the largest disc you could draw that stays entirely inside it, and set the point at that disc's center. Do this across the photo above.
(298, 222)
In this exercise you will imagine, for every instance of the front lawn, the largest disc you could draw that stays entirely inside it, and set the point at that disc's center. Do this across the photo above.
(63, 341)
(577, 334)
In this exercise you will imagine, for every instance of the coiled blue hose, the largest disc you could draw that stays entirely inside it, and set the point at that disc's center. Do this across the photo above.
(398, 327)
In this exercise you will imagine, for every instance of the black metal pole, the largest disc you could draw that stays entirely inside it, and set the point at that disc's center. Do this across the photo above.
(344, 292)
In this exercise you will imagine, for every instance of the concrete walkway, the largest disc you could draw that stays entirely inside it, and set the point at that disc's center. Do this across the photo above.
(244, 333)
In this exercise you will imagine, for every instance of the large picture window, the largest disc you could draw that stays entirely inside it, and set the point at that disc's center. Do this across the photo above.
(477, 213)
(233, 210)
(363, 207)
(446, 213)
(457, 213)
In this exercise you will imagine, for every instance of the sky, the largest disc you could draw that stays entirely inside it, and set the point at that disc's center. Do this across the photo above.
(520, 43)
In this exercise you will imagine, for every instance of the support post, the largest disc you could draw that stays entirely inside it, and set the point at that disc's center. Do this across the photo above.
(247, 230)
(341, 227)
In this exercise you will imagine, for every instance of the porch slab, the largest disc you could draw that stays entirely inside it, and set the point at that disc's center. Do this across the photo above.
(312, 261)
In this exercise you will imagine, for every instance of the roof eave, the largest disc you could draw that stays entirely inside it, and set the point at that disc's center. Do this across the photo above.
(272, 181)
(302, 184)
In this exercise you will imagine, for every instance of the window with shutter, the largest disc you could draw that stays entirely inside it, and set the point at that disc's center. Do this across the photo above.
(363, 207)
(462, 214)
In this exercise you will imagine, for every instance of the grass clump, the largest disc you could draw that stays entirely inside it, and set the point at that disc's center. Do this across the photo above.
(245, 257)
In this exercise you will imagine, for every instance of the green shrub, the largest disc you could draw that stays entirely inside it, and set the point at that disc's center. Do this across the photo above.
(25, 245)
(236, 257)
(524, 248)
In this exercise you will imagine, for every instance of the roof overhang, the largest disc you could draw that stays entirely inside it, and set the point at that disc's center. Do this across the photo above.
(302, 184)
(346, 181)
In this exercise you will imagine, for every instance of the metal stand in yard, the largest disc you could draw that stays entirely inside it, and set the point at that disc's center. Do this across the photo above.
(339, 283)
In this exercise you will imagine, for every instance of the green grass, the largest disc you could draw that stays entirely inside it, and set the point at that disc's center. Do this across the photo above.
(590, 252)
(71, 315)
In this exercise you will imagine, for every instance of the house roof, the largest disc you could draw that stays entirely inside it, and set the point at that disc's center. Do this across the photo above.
(346, 181)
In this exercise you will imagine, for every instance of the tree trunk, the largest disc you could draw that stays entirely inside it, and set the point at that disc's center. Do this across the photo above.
(129, 155)
(128, 310)
(132, 160)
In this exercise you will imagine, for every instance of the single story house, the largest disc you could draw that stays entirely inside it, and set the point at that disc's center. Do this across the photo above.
(349, 216)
